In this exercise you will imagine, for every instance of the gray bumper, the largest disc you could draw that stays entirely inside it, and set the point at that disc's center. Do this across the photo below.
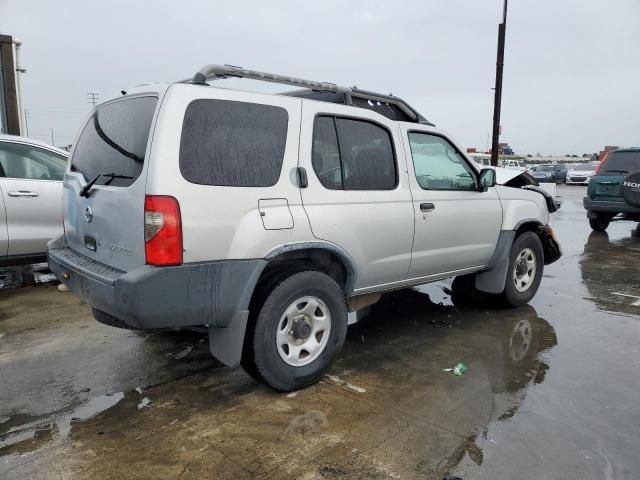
(611, 207)
(210, 293)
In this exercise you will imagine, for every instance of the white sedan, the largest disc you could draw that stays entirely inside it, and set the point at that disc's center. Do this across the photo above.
(581, 174)
(30, 198)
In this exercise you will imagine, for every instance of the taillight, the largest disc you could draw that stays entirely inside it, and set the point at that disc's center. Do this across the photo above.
(162, 230)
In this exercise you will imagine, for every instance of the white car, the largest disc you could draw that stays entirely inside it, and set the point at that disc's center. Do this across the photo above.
(31, 175)
(581, 174)
(513, 164)
(266, 218)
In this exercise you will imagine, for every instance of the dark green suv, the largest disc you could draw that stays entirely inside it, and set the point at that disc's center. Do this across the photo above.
(614, 189)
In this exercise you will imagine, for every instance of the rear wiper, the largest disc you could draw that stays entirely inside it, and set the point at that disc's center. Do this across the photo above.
(84, 192)
(616, 171)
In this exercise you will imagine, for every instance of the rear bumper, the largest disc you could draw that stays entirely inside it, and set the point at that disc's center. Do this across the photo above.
(208, 293)
(608, 206)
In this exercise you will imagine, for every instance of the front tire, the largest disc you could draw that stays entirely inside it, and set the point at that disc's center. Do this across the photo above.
(526, 263)
(299, 330)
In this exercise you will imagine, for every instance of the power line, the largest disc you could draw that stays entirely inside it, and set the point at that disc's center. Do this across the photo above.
(93, 98)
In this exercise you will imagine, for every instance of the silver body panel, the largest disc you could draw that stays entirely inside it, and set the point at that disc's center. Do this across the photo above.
(391, 242)
(30, 209)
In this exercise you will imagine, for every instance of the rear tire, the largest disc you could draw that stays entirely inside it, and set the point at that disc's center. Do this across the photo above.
(526, 264)
(600, 223)
(299, 329)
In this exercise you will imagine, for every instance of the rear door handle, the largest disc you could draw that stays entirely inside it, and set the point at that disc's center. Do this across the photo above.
(23, 193)
(427, 207)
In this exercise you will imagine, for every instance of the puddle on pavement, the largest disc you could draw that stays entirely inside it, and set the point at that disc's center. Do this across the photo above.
(387, 405)
(609, 271)
(30, 436)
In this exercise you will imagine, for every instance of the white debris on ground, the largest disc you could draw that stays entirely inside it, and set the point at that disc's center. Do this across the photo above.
(183, 353)
(339, 381)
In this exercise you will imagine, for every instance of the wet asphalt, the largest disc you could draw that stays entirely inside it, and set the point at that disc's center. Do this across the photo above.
(551, 390)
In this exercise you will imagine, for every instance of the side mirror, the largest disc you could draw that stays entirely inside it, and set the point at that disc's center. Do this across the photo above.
(486, 179)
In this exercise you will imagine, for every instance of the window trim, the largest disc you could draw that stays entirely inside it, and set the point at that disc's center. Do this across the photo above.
(36, 147)
(394, 152)
(264, 104)
(474, 172)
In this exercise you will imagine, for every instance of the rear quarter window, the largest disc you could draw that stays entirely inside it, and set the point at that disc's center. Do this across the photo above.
(114, 140)
(235, 144)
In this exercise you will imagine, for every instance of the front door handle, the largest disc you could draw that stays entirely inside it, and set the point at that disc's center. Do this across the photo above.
(427, 207)
(23, 193)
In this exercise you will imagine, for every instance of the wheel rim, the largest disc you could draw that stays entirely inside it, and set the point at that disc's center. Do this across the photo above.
(524, 270)
(303, 331)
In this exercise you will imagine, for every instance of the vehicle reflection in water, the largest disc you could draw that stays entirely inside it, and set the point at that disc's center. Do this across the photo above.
(609, 271)
(387, 407)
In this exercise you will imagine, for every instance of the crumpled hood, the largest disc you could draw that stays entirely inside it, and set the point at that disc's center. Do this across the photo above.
(504, 175)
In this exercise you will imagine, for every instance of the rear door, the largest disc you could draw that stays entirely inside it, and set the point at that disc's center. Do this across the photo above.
(31, 184)
(358, 196)
(107, 225)
(456, 226)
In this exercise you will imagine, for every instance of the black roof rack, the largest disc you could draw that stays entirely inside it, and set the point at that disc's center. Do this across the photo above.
(388, 105)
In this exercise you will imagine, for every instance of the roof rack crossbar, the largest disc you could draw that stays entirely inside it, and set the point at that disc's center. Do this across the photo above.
(218, 72)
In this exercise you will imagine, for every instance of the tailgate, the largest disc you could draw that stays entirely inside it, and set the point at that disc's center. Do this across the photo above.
(605, 188)
(107, 224)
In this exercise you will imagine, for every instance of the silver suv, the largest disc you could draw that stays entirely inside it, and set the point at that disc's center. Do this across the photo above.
(267, 218)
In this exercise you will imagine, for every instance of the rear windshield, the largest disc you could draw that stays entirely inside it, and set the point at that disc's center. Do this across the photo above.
(233, 144)
(114, 141)
(622, 162)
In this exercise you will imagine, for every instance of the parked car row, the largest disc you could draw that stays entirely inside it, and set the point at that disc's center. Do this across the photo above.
(31, 175)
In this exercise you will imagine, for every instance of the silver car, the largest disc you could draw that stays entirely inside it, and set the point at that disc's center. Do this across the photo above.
(31, 175)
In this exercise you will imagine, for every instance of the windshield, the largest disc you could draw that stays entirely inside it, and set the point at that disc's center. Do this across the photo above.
(622, 162)
(586, 168)
(545, 168)
(114, 141)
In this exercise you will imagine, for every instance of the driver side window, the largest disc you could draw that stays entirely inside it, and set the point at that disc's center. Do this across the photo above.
(437, 164)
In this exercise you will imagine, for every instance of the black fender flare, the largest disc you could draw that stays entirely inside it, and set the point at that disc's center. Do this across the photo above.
(341, 253)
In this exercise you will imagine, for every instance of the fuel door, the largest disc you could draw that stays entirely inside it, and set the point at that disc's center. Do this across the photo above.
(275, 213)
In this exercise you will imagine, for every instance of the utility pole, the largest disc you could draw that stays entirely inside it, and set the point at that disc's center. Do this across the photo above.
(93, 98)
(52, 140)
(497, 104)
(27, 114)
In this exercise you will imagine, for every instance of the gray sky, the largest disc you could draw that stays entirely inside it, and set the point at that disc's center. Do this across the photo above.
(572, 68)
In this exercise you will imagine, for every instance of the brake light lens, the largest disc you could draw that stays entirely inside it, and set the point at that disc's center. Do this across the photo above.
(162, 230)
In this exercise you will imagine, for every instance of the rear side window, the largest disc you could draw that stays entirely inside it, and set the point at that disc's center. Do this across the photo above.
(234, 144)
(622, 162)
(115, 140)
(353, 154)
